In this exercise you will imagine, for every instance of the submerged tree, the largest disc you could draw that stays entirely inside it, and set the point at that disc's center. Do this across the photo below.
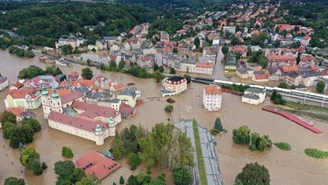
(253, 174)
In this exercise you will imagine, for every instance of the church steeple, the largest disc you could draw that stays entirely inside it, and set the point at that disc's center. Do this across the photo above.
(54, 93)
(111, 121)
(44, 91)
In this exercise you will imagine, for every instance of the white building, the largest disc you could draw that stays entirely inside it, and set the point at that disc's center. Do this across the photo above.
(72, 115)
(254, 96)
(3, 83)
(212, 98)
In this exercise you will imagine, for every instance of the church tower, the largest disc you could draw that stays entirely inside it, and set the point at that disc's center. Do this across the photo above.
(112, 126)
(45, 101)
(99, 135)
(55, 102)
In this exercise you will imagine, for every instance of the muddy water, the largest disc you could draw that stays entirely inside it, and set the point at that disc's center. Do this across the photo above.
(287, 168)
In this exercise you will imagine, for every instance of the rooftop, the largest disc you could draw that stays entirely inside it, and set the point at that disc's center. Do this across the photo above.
(71, 97)
(212, 89)
(176, 78)
(254, 90)
(94, 163)
(93, 110)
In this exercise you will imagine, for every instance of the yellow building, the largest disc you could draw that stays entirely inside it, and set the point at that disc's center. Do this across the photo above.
(27, 98)
(128, 96)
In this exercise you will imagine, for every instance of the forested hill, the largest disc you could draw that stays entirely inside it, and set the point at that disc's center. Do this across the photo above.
(46, 21)
(171, 3)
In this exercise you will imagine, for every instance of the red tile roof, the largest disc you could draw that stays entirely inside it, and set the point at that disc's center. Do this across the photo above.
(288, 69)
(76, 121)
(306, 58)
(261, 76)
(126, 109)
(18, 85)
(212, 89)
(306, 37)
(20, 93)
(61, 92)
(71, 97)
(118, 86)
(100, 165)
(94, 110)
(16, 110)
(205, 65)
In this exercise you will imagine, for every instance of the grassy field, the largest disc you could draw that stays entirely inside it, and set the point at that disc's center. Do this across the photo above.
(316, 112)
(200, 159)
(283, 146)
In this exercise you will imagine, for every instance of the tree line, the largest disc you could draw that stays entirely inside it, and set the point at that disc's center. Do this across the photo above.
(34, 71)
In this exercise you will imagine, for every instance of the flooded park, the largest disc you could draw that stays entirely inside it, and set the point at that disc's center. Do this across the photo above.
(287, 168)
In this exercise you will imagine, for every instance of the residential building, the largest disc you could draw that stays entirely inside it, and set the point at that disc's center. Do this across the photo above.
(306, 61)
(212, 98)
(174, 85)
(293, 78)
(37, 82)
(230, 63)
(16, 86)
(95, 164)
(69, 40)
(305, 41)
(242, 73)
(128, 96)
(3, 82)
(146, 61)
(28, 98)
(164, 36)
(94, 97)
(281, 60)
(204, 68)
(261, 77)
(20, 113)
(240, 49)
(231, 29)
(254, 96)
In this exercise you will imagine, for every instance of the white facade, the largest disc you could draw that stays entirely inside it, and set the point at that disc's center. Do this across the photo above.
(212, 98)
(254, 96)
(4, 83)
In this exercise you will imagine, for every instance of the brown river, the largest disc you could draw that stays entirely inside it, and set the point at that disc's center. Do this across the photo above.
(286, 168)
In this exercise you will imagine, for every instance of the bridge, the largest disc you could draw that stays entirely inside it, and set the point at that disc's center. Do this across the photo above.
(301, 96)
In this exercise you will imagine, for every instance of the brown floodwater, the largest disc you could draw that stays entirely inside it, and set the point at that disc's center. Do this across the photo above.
(286, 168)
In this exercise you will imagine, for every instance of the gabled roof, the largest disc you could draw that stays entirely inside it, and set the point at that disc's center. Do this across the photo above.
(213, 89)
(94, 163)
(20, 93)
(71, 97)
(93, 110)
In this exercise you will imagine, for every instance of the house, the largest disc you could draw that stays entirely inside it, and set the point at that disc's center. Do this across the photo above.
(20, 113)
(3, 82)
(261, 77)
(231, 29)
(101, 44)
(93, 48)
(230, 63)
(254, 96)
(134, 44)
(240, 49)
(28, 98)
(110, 39)
(116, 57)
(281, 60)
(293, 78)
(47, 80)
(164, 36)
(128, 96)
(174, 85)
(212, 98)
(95, 164)
(305, 41)
(94, 97)
(146, 61)
(69, 40)
(204, 68)
(115, 47)
(16, 86)
(49, 59)
(147, 47)
(242, 73)
(306, 61)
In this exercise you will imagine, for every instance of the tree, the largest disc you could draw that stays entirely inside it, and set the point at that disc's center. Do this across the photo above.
(242, 135)
(31, 160)
(253, 174)
(118, 147)
(225, 50)
(30, 72)
(161, 69)
(86, 181)
(88, 62)
(283, 85)
(53, 70)
(274, 95)
(175, 50)
(234, 41)
(21, 134)
(67, 49)
(7, 129)
(155, 67)
(168, 108)
(158, 76)
(87, 73)
(77, 175)
(121, 180)
(321, 85)
(64, 169)
(134, 161)
(64, 151)
(132, 180)
(188, 78)
(263, 61)
(143, 178)
(112, 65)
(44, 166)
(121, 65)
(218, 125)
(172, 71)
(167, 147)
(68, 152)
(159, 180)
(14, 181)
(197, 42)
(182, 176)
(8, 116)
(33, 123)
(238, 55)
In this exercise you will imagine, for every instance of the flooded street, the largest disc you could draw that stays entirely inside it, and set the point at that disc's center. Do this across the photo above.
(286, 168)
